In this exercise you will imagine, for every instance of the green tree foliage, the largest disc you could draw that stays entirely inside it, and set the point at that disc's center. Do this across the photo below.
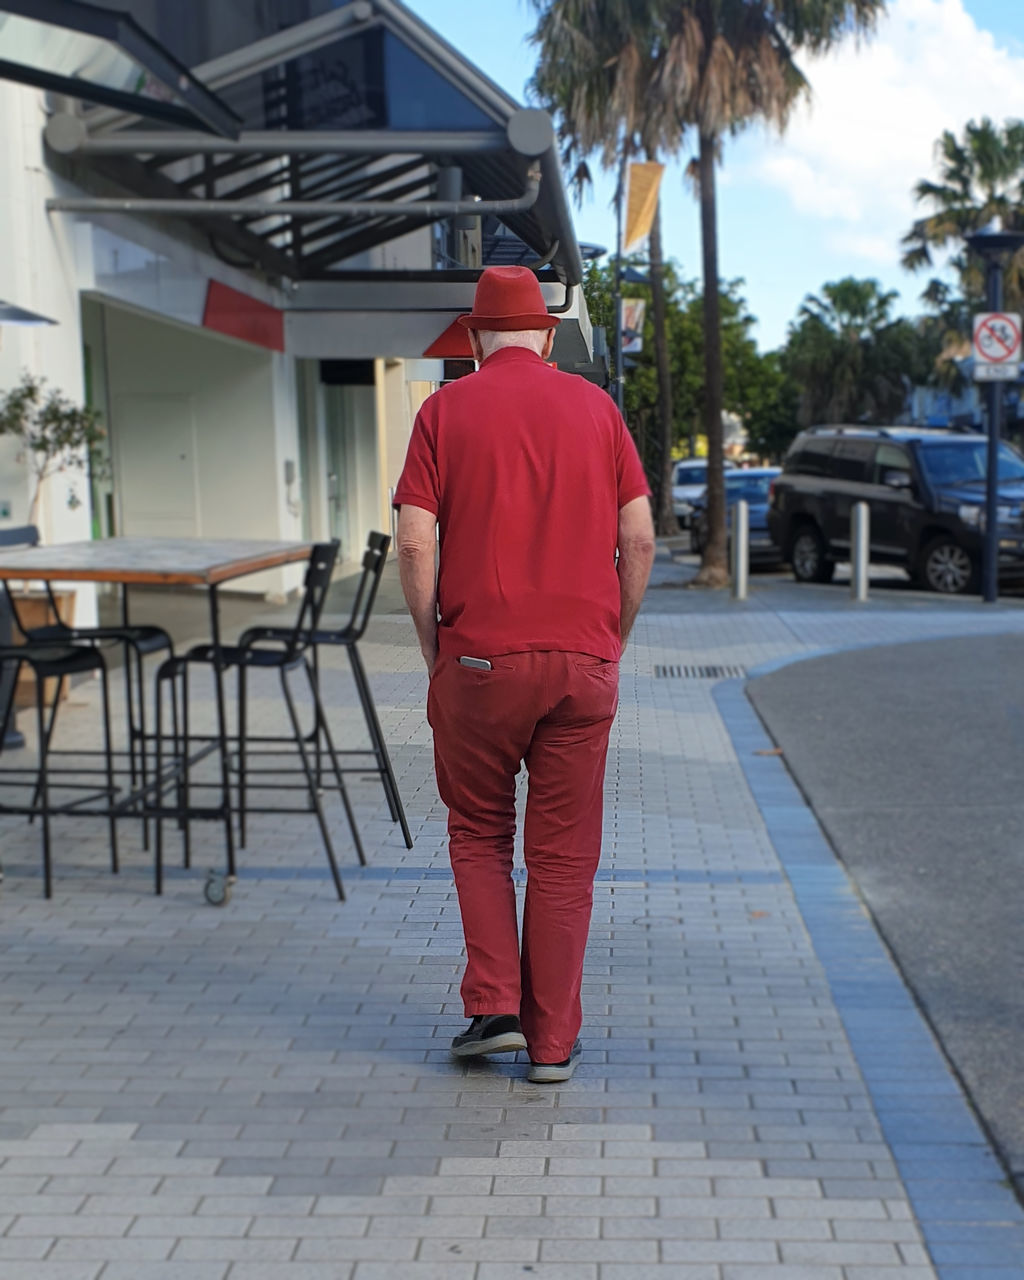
(54, 434)
(851, 360)
(981, 180)
(756, 387)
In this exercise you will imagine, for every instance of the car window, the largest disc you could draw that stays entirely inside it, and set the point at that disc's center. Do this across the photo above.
(750, 488)
(810, 456)
(852, 460)
(966, 462)
(691, 475)
(889, 457)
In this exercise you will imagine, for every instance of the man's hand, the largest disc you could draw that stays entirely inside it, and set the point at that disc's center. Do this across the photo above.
(636, 556)
(417, 571)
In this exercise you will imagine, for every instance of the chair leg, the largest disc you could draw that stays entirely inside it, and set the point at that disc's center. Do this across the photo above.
(243, 729)
(9, 705)
(143, 762)
(42, 792)
(379, 745)
(158, 844)
(311, 782)
(319, 723)
(186, 860)
(129, 701)
(338, 774)
(49, 729)
(108, 748)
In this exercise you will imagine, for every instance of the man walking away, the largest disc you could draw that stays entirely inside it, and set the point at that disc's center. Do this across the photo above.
(535, 484)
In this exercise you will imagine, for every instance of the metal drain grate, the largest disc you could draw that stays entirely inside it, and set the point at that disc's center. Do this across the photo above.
(698, 673)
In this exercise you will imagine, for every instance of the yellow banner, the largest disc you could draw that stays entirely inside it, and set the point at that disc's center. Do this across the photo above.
(641, 201)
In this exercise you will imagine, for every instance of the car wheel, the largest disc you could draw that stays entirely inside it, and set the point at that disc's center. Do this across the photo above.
(681, 522)
(808, 558)
(696, 540)
(947, 568)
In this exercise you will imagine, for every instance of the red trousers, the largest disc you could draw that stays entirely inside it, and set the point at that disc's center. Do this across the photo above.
(554, 711)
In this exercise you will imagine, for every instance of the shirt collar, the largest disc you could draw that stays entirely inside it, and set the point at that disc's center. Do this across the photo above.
(510, 355)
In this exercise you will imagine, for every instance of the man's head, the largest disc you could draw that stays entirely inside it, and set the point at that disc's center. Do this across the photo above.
(509, 311)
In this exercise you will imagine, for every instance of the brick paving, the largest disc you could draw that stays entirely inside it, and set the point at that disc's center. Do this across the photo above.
(263, 1092)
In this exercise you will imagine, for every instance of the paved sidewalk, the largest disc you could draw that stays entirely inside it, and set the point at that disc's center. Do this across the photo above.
(263, 1092)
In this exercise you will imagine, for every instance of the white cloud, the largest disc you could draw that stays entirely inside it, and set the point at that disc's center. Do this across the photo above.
(852, 156)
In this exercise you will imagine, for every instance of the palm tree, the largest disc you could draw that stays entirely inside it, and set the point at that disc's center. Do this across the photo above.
(726, 64)
(981, 179)
(622, 73)
(594, 73)
(850, 358)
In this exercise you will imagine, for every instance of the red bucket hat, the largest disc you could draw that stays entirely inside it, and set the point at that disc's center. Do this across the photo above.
(508, 298)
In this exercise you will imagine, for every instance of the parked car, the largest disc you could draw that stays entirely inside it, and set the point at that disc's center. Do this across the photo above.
(926, 494)
(753, 485)
(688, 483)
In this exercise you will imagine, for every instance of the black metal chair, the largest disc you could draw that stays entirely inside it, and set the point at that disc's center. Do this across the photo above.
(60, 662)
(137, 641)
(347, 637)
(288, 655)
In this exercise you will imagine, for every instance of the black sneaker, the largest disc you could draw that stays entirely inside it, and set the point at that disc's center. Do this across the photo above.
(489, 1033)
(554, 1072)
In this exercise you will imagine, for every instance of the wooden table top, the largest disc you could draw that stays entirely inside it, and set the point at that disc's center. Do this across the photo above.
(171, 561)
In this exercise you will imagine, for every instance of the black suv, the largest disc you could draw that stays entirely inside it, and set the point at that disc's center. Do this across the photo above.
(926, 492)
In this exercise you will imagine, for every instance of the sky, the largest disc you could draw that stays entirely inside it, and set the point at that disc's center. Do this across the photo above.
(834, 196)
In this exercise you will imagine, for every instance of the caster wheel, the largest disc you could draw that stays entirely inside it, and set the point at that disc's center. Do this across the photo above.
(217, 890)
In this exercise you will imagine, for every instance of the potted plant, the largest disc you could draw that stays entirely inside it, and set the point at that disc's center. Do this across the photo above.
(54, 435)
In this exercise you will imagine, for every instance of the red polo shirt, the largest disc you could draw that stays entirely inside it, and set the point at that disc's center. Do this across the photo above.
(525, 469)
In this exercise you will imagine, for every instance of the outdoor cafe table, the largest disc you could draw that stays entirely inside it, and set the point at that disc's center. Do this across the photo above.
(200, 562)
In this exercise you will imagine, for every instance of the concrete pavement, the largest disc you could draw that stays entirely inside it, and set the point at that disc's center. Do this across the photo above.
(264, 1090)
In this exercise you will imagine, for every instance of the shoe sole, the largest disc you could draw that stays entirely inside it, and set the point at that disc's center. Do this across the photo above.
(539, 1074)
(508, 1042)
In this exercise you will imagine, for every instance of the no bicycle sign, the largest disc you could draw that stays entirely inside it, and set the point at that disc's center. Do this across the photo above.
(997, 347)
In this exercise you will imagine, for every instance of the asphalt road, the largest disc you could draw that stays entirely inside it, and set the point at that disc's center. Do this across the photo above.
(912, 757)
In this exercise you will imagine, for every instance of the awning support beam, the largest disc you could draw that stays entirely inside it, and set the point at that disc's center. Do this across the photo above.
(431, 210)
(63, 136)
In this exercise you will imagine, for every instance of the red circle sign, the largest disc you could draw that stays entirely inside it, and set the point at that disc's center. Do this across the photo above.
(997, 339)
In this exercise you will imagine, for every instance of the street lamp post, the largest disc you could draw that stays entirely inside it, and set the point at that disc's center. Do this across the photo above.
(995, 248)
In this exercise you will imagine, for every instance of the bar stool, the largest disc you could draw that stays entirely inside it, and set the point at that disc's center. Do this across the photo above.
(60, 662)
(347, 637)
(289, 655)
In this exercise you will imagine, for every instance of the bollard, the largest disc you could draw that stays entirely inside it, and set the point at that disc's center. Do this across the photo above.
(740, 550)
(860, 550)
(394, 520)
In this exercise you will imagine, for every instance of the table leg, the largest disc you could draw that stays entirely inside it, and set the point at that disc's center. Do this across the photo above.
(222, 728)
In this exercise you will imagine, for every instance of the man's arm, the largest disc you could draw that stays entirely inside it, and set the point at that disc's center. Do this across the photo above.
(636, 556)
(417, 551)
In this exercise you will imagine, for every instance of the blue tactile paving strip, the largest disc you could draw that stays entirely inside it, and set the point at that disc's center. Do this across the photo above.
(972, 1222)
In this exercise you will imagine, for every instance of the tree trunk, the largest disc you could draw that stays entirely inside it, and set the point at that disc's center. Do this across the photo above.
(666, 520)
(714, 570)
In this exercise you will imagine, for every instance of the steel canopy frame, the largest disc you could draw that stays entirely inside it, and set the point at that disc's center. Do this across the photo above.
(194, 102)
(330, 188)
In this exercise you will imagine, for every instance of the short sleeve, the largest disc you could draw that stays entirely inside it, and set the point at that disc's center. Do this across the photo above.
(630, 477)
(418, 485)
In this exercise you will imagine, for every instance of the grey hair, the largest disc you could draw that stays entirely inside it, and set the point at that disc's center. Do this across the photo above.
(492, 339)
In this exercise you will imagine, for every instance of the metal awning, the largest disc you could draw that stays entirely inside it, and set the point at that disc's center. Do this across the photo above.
(99, 55)
(360, 126)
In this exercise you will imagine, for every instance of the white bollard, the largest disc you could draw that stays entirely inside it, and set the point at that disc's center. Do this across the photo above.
(740, 549)
(860, 550)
